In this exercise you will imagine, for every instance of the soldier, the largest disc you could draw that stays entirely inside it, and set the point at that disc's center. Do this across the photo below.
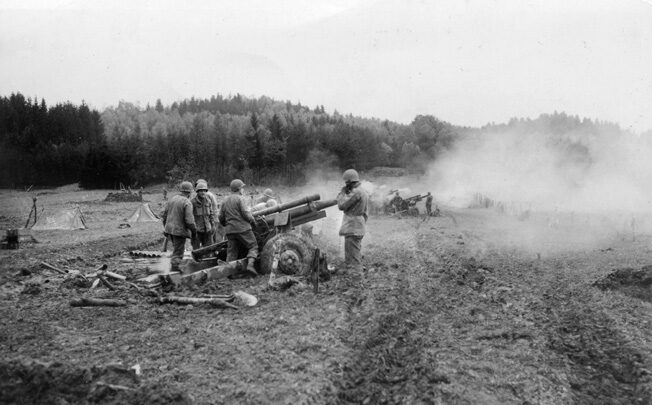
(429, 203)
(204, 213)
(397, 201)
(218, 234)
(237, 220)
(179, 223)
(353, 200)
(264, 201)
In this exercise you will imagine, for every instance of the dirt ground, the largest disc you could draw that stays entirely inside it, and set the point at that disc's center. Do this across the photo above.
(472, 307)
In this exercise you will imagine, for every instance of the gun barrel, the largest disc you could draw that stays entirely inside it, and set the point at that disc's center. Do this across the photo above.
(299, 211)
(287, 205)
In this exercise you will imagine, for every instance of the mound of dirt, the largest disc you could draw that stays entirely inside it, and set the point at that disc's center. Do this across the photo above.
(387, 172)
(58, 383)
(124, 197)
(632, 282)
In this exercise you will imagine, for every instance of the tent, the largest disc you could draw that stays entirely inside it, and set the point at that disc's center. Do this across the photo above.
(66, 219)
(143, 214)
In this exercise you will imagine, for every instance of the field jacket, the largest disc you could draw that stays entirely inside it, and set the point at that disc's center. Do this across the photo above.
(235, 215)
(355, 205)
(216, 204)
(177, 216)
(203, 211)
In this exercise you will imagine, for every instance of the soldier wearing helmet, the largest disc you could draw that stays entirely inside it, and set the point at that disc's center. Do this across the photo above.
(429, 203)
(354, 202)
(179, 223)
(265, 201)
(236, 218)
(204, 213)
(218, 233)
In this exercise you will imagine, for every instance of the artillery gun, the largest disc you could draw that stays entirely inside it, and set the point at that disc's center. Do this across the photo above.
(289, 252)
(408, 205)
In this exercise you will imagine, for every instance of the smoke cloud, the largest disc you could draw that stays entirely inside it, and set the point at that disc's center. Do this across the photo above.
(547, 172)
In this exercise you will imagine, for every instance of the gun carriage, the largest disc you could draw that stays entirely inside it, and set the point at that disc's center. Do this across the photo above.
(291, 253)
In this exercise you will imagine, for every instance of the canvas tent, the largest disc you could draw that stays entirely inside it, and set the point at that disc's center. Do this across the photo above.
(143, 214)
(65, 219)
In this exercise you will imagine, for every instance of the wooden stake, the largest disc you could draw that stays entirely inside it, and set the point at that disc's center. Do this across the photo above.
(115, 276)
(97, 302)
(106, 283)
(51, 267)
(195, 301)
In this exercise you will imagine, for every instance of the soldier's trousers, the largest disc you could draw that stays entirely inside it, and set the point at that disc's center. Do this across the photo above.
(202, 239)
(353, 252)
(178, 246)
(239, 243)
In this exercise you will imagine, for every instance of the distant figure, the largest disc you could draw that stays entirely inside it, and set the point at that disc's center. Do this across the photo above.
(165, 194)
(204, 213)
(429, 203)
(179, 223)
(237, 220)
(353, 201)
(397, 201)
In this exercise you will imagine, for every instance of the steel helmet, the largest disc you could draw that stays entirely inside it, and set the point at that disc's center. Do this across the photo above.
(268, 193)
(198, 180)
(350, 176)
(201, 185)
(186, 187)
(237, 184)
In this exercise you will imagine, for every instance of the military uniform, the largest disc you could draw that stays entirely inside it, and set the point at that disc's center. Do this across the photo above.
(429, 204)
(202, 210)
(179, 224)
(354, 204)
(236, 218)
(218, 233)
(397, 201)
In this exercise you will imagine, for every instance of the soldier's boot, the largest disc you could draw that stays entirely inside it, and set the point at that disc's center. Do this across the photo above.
(250, 267)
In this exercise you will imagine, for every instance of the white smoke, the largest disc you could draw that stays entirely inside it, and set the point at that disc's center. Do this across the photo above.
(588, 174)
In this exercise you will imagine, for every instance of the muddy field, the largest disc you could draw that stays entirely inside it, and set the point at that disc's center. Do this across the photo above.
(472, 307)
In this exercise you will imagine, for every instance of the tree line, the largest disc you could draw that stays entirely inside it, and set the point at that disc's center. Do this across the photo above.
(260, 140)
(45, 146)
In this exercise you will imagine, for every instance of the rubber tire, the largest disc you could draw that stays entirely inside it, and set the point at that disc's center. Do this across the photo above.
(284, 241)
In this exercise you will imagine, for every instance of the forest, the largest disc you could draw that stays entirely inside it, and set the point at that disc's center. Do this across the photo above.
(260, 140)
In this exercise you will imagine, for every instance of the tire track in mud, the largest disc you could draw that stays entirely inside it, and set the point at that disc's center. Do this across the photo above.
(598, 362)
(390, 312)
(541, 341)
(603, 368)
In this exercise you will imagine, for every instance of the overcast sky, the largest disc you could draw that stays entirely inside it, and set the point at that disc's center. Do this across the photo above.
(466, 62)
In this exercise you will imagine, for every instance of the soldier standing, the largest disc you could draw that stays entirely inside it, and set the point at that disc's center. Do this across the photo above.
(203, 211)
(397, 201)
(353, 201)
(429, 203)
(179, 223)
(218, 234)
(236, 218)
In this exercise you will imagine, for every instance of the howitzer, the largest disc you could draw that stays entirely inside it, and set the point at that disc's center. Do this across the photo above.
(408, 204)
(414, 198)
(294, 253)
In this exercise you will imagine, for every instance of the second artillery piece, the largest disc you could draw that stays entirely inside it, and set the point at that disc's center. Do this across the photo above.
(409, 205)
(290, 253)
(400, 205)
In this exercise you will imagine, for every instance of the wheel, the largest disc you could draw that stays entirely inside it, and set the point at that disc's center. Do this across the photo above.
(294, 254)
